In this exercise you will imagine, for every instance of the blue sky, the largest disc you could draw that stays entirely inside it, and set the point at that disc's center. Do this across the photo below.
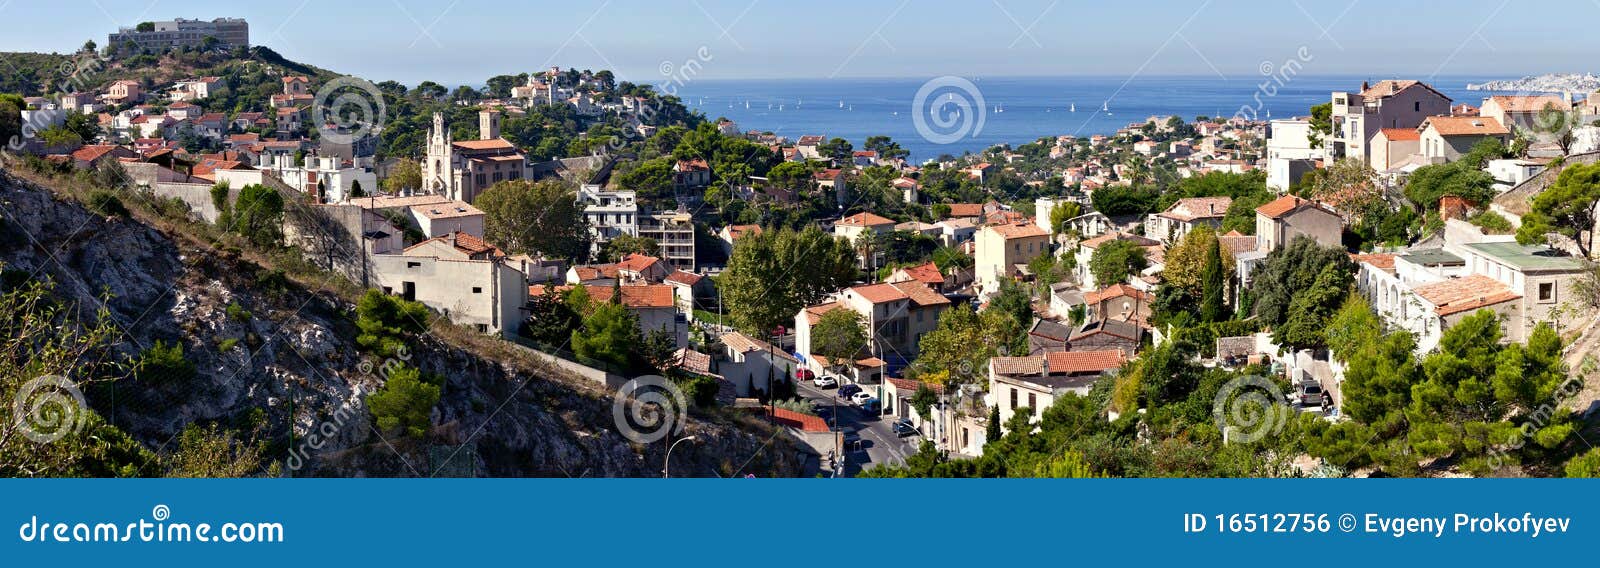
(466, 41)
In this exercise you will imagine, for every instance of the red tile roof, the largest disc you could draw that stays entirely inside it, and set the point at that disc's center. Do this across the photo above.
(1116, 291)
(927, 273)
(1401, 134)
(684, 277)
(1464, 294)
(794, 419)
(1464, 126)
(1070, 362)
(879, 293)
(865, 220)
(637, 262)
(1018, 231)
(920, 293)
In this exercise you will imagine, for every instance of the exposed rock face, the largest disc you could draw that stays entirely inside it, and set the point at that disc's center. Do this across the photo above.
(292, 360)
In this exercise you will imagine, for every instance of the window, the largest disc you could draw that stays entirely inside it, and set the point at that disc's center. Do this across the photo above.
(413, 265)
(1547, 291)
(1033, 403)
(477, 290)
(1013, 399)
(1416, 106)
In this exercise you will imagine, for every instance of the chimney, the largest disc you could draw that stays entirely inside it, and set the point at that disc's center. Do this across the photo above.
(1365, 86)
(488, 125)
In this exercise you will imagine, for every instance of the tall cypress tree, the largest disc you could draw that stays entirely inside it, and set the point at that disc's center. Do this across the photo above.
(1211, 279)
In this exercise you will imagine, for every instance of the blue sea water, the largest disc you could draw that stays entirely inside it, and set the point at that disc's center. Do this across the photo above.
(1014, 110)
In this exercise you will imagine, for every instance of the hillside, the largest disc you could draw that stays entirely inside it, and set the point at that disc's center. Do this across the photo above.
(276, 355)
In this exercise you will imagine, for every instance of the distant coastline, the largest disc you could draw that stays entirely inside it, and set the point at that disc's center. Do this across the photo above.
(1547, 83)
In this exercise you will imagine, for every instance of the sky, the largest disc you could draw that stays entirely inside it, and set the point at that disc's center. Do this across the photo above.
(466, 41)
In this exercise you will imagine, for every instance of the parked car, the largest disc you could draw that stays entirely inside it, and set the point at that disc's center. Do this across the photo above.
(804, 374)
(847, 391)
(870, 405)
(824, 381)
(860, 398)
(1308, 393)
(903, 428)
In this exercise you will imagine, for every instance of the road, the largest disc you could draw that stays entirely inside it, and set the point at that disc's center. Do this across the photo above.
(879, 442)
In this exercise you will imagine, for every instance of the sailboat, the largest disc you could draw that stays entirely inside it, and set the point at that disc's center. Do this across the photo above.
(999, 109)
(1072, 107)
(780, 108)
(747, 105)
(841, 104)
(1104, 107)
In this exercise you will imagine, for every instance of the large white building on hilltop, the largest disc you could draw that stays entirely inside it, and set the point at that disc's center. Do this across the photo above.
(231, 32)
(463, 170)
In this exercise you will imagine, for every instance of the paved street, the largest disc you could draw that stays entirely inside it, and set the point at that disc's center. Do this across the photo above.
(878, 440)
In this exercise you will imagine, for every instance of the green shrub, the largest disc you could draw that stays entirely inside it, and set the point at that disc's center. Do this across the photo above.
(166, 364)
(227, 345)
(386, 321)
(404, 403)
(237, 313)
(107, 203)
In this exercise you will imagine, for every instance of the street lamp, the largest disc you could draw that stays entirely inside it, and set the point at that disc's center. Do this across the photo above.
(666, 466)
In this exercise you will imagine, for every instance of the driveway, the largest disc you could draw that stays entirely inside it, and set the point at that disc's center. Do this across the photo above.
(879, 442)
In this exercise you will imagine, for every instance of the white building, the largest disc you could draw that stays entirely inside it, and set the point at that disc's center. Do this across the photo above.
(461, 277)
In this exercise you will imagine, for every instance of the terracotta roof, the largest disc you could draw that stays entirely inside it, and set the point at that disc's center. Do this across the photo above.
(1236, 243)
(1380, 260)
(684, 277)
(1115, 291)
(1400, 134)
(814, 313)
(496, 144)
(648, 296)
(637, 262)
(794, 419)
(920, 293)
(1018, 231)
(1528, 103)
(1095, 242)
(1070, 362)
(1191, 208)
(1463, 294)
(1390, 87)
(865, 220)
(92, 152)
(465, 243)
(1017, 365)
(696, 164)
(966, 209)
(1282, 206)
(879, 293)
(1464, 126)
(736, 231)
(694, 361)
(927, 273)
(745, 344)
(908, 385)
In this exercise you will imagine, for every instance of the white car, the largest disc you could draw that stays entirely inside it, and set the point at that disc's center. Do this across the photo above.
(860, 398)
(824, 382)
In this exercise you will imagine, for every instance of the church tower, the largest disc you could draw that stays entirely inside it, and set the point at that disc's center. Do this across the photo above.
(438, 175)
(488, 124)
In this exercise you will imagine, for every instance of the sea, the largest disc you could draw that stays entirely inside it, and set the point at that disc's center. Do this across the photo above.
(961, 115)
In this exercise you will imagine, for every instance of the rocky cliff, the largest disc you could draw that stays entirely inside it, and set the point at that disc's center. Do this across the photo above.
(280, 356)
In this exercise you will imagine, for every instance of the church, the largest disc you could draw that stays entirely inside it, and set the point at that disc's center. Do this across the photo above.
(463, 170)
